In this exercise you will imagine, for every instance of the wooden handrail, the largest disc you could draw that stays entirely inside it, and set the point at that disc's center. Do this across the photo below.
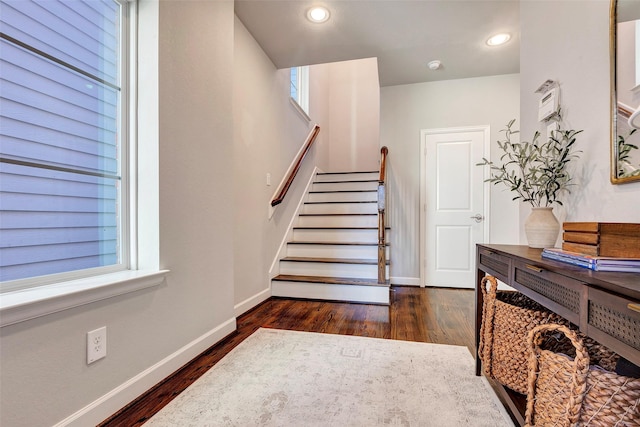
(624, 111)
(307, 145)
(382, 245)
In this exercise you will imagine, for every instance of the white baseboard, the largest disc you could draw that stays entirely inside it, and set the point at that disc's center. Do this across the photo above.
(251, 302)
(405, 281)
(110, 403)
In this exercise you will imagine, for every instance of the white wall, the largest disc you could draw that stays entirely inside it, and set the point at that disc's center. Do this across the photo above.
(44, 374)
(268, 132)
(407, 109)
(577, 56)
(354, 92)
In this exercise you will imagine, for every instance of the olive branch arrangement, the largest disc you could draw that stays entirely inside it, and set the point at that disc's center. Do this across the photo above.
(537, 170)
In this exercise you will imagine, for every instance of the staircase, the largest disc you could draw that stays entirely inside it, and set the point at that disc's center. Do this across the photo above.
(334, 251)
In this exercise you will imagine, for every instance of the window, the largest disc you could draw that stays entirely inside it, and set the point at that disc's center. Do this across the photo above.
(299, 91)
(63, 139)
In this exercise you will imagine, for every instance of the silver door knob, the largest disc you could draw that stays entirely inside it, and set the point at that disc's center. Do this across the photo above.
(477, 217)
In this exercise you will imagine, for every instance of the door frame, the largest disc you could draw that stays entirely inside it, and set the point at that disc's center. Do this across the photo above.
(486, 188)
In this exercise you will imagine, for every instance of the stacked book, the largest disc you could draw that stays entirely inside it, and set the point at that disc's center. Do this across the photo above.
(599, 246)
(631, 265)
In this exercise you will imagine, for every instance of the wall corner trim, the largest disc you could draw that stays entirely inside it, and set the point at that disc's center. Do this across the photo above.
(249, 303)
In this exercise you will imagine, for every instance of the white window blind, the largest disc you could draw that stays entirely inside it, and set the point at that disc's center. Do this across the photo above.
(61, 137)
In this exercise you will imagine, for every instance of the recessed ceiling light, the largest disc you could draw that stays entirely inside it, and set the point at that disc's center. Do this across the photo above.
(318, 14)
(434, 65)
(498, 39)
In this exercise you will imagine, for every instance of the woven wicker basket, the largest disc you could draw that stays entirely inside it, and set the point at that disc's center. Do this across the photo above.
(507, 318)
(566, 391)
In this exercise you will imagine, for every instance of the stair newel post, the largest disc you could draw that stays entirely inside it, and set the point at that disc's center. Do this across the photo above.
(382, 258)
(382, 276)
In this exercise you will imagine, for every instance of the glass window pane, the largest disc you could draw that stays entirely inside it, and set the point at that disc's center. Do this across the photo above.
(60, 137)
(55, 115)
(81, 33)
(54, 222)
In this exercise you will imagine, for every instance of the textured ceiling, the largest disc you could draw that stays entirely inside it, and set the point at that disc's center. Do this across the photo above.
(403, 35)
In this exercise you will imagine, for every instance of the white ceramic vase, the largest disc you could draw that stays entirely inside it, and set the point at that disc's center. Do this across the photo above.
(541, 228)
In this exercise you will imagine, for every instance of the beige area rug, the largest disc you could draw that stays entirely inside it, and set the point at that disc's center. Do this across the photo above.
(288, 378)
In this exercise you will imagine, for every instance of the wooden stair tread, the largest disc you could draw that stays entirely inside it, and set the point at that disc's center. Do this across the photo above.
(363, 261)
(342, 191)
(308, 242)
(329, 280)
(347, 181)
(341, 201)
(338, 228)
(344, 173)
(338, 214)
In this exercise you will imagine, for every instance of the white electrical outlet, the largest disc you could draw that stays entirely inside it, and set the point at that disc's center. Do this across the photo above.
(96, 344)
(268, 179)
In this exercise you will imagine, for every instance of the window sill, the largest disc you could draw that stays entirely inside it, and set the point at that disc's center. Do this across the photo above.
(26, 304)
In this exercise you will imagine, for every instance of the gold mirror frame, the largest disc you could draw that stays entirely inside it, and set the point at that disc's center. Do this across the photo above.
(613, 22)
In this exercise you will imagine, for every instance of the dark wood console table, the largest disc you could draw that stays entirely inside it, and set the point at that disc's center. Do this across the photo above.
(604, 305)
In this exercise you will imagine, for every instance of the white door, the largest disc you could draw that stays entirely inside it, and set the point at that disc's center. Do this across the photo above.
(454, 199)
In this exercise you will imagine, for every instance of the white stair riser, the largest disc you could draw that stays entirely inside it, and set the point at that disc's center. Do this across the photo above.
(330, 269)
(334, 251)
(338, 221)
(345, 186)
(350, 196)
(347, 176)
(352, 293)
(339, 208)
(337, 235)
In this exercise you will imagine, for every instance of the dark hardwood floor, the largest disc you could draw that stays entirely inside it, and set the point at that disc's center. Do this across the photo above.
(436, 315)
